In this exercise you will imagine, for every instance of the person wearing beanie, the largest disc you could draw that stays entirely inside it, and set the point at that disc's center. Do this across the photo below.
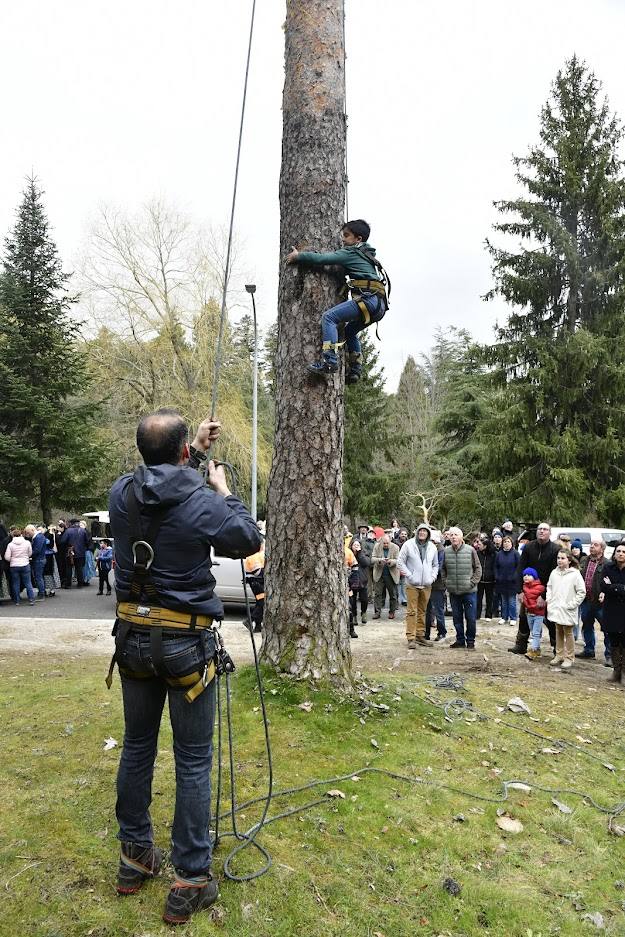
(532, 589)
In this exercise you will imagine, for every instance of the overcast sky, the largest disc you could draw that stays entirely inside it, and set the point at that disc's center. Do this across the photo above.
(118, 102)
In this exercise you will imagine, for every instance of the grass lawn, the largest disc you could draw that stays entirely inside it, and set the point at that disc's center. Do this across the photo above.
(370, 864)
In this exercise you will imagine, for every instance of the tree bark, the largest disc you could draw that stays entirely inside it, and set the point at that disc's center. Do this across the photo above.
(306, 631)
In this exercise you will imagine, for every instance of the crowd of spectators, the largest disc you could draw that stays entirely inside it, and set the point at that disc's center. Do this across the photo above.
(537, 585)
(39, 559)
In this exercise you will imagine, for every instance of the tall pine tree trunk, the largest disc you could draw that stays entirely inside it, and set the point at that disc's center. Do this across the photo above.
(306, 622)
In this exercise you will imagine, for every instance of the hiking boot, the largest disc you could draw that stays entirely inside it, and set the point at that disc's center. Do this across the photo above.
(440, 637)
(363, 619)
(424, 641)
(582, 655)
(555, 661)
(324, 367)
(617, 658)
(187, 896)
(566, 665)
(520, 644)
(412, 645)
(533, 655)
(136, 864)
(376, 615)
(354, 370)
(352, 632)
(470, 645)
(457, 644)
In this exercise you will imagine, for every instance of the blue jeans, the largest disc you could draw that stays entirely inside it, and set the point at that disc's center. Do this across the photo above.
(348, 313)
(589, 613)
(464, 607)
(192, 725)
(38, 567)
(436, 613)
(401, 590)
(508, 604)
(535, 623)
(20, 579)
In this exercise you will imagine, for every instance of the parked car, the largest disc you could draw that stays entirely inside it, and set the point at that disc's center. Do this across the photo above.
(229, 580)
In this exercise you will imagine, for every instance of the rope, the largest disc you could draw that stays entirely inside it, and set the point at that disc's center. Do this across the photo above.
(453, 709)
(222, 318)
(248, 838)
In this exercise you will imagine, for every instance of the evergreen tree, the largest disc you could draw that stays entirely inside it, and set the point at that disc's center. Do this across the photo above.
(371, 487)
(551, 446)
(47, 449)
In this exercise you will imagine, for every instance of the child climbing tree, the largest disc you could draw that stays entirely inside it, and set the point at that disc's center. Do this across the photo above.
(306, 630)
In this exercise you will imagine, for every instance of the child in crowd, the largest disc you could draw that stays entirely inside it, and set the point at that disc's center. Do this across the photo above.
(565, 593)
(533, 589)
(104, 564)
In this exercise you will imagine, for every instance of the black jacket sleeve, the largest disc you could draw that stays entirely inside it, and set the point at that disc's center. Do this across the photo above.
(234, 533)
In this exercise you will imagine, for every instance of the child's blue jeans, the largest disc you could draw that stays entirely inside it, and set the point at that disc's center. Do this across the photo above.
(535, 623)
(348, 313)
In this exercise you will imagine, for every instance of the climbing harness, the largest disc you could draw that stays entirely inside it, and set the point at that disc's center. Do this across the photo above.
(159, 622)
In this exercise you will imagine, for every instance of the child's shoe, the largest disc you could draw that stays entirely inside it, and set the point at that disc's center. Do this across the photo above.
(327, 365)
(533, 655)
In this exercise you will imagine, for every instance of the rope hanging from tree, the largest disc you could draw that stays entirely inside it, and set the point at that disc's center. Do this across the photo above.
(226, 279)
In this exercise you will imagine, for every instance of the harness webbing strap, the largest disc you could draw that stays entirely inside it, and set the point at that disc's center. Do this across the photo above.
(373, 286)
(156, 615)
(153, 618)
(196, 681)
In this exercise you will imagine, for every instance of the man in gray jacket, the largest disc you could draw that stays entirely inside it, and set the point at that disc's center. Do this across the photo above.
(462, 571)
(418, 562)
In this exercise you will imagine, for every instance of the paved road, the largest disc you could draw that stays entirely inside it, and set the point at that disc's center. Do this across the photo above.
(84, 604)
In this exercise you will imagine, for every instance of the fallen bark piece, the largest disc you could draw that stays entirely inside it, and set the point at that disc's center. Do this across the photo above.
(509, 824)
(561, 807)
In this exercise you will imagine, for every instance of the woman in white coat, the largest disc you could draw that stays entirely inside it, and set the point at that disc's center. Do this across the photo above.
(565, 593)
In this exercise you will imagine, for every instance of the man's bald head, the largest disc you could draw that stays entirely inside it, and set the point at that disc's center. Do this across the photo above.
(161, 437)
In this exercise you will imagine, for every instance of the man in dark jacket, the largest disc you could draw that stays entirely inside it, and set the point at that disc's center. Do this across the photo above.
(542, 555)
(165, 646)
(590, 610)
(486, 555)
(38, 559)
(75, 542)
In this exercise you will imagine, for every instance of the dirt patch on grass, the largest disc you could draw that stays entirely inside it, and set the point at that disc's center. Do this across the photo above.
(381, 646)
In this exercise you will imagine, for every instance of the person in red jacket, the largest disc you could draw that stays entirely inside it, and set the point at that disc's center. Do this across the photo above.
(533, 589)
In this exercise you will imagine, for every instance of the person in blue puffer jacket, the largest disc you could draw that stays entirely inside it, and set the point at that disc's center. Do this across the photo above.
(506, 573)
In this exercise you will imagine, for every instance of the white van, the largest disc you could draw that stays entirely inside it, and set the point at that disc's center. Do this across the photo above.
(609, 535)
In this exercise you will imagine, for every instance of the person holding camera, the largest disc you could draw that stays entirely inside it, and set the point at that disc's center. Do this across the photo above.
(165, 520)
